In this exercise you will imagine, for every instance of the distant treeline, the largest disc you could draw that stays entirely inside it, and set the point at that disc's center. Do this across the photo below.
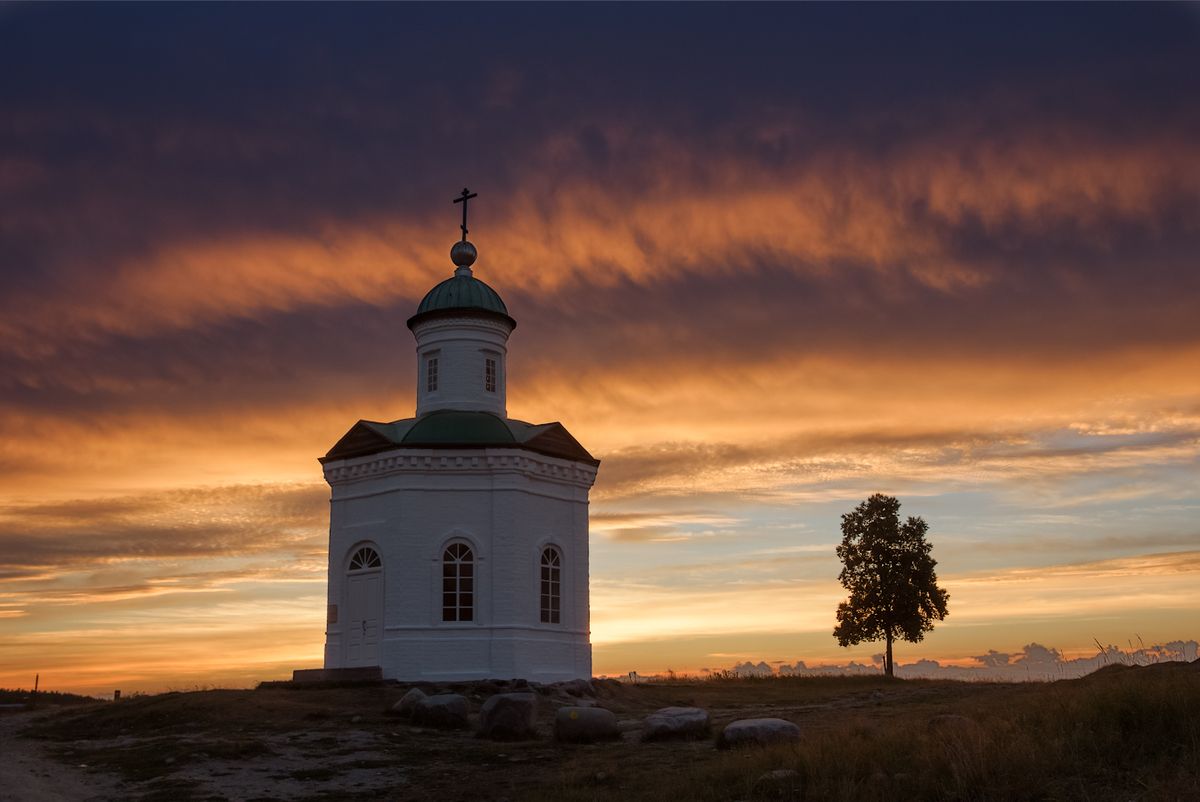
(18, 695)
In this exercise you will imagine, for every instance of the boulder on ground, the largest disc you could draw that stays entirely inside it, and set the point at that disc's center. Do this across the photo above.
(445, 710)
(757, 732)
(408, 701)
(509, 717)
(577, 687)
(676, 722)
(585, 725)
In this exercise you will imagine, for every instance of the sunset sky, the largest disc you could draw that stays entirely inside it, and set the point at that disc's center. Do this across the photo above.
(765, 261)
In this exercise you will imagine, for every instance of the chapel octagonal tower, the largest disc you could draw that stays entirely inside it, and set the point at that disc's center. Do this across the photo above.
(458, 539)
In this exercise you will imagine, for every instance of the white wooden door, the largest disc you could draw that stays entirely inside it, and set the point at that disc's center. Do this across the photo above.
(364, 607)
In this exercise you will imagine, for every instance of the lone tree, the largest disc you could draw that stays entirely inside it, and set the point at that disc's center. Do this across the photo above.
(889, 573)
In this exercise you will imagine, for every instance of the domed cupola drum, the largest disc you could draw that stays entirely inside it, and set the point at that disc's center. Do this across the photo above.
(462, 328)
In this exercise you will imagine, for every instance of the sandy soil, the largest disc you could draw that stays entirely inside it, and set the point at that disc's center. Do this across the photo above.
(292, 766)
(29, 774)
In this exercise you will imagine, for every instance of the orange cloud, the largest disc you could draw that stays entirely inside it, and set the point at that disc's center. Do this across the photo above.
(838, 208)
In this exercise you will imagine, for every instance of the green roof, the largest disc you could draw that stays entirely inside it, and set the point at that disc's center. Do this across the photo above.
(451, 426)
(461, 293)
(457, 429)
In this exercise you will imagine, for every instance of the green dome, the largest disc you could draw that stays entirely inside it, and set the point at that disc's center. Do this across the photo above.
(452, 426)
(461, 292)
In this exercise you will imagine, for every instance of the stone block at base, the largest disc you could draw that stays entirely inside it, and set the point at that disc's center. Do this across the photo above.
(356, 674)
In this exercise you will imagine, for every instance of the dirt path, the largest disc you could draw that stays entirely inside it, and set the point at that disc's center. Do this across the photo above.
(27, 774)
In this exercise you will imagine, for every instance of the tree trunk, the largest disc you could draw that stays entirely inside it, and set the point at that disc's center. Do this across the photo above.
(887, 660)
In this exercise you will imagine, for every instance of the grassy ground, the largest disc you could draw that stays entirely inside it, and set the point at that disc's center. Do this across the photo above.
(1123, 733)
(12, 696)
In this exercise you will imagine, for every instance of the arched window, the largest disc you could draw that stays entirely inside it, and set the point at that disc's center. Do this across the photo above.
(365, 558)
(551, 585)
(458, 583)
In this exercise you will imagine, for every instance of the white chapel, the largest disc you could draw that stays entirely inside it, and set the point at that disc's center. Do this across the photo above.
(458, 538)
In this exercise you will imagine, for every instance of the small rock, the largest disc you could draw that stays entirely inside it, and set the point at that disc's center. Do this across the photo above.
(676, 722)
(356, 720)
(757, 732)
(408, 702)
(629, 725)
(509, 717)
(448, 711)
(585, 725)
(778, 784)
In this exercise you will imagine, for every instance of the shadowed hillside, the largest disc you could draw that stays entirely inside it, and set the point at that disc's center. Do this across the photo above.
(1123, 732)
(22, 696)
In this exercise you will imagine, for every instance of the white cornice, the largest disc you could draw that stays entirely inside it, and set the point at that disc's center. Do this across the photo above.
(450, 322)
(460, 461)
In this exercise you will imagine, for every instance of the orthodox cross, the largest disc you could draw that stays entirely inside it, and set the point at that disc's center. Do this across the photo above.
(463, 198)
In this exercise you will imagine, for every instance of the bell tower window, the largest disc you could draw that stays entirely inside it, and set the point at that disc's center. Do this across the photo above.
(431, 374)
(489, 375)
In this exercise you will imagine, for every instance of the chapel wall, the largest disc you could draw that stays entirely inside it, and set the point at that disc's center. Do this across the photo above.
(507, 515)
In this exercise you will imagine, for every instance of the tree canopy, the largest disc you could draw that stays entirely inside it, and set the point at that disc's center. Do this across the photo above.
(888, 570)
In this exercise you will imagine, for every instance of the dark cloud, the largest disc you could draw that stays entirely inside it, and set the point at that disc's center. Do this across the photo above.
(141, 136)
(716, 325)
(201, 522)
(280, 360)
(993, 659)
(816, 457)
(127, 130)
